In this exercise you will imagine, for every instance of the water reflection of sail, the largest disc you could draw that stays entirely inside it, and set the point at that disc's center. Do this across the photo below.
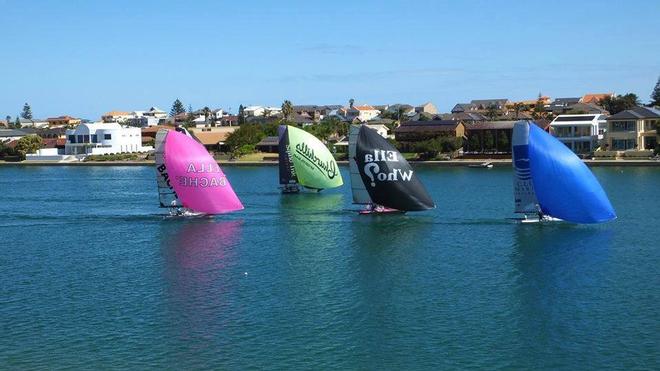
(560, 279)
(199, 259)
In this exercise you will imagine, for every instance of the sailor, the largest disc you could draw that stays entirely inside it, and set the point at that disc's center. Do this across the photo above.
(539, 212)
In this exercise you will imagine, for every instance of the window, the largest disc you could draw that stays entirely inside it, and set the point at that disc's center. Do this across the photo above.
(107, 136)
(623, 126)
(72, 138)
(80, 139)
(623, 144)
(94, 138)
(86, 138)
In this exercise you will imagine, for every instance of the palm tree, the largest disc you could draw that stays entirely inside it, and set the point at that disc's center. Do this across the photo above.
(207, 113)
(517, 107)
(287, 110)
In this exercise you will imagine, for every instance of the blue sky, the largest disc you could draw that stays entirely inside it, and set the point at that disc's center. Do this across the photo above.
(84, 58)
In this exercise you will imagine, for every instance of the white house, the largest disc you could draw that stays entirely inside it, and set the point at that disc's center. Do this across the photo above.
(379, 128)
(362, 113)
(103, 138)
(33, 123)
(142, 121)
(155, 112)
(272, 111)
(580, 133)
(254, 111)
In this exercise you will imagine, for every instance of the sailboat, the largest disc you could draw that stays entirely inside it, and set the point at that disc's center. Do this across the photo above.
(304, 160)
(551, 183)
(381, 178)
(190, 181)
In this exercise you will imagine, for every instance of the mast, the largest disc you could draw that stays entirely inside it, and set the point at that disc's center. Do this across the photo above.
(166, 194)
(360, 194)
(287, 170)
(525, 201)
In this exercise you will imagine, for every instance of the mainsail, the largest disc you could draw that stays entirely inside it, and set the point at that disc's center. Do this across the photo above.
(306, 160)
(523, 190)
(359, 191)
(287, 171)
(564, 186)
(196, 178)
(385, 174)
(166, 194)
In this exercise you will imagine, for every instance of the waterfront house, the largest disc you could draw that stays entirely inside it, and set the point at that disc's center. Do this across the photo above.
(562, 105)
(229, 120)
(142, 121)
(9, 135)
(633, 129)
(65, 120)
(489, 137)
(213, 138)
(116, 116)
(595, 98)
(580, 133)
(268, 144)
(379, 128)
(253, 111)
(33, 123)
(427, 107)
(103, 138)
(417, 131)
(155, 112)
(59, 132)
(361, 113)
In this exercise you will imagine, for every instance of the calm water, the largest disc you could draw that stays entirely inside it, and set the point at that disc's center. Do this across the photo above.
(92, 274)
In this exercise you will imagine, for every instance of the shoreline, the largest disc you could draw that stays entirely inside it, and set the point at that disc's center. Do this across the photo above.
(449, 163)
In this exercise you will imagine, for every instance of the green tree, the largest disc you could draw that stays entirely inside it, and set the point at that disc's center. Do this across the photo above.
(351, 102)
(539, 109)
(489, 140)
(517, 107)
(241, 115)
(655, 96)
(17, 123)
(177, 108)
(619, 103)
(207, 113)
(8, 119)
(28, 144)
(27, 112)
(287, 110)
(473, 143)
(247, 134)
(190, 116)
(503, 142)
(492, 112)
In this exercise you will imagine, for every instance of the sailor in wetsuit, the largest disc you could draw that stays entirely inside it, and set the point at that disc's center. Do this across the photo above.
(182, 130)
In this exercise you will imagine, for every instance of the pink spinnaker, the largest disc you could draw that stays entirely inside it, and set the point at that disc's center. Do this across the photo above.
(197, 178)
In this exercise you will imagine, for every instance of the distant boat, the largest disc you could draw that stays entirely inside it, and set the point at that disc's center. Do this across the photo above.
(486, 165)
(304, 160)
(551, 183)
(381, 178)
(190, 181)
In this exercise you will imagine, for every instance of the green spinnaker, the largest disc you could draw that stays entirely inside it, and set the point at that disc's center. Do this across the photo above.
(315, 166)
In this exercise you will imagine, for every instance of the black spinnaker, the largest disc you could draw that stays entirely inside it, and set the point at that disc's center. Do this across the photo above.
(387, 176)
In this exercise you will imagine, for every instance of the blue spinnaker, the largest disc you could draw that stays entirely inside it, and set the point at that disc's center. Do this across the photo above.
(564, 185)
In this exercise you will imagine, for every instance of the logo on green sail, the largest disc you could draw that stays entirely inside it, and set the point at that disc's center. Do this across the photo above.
(327, 167)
